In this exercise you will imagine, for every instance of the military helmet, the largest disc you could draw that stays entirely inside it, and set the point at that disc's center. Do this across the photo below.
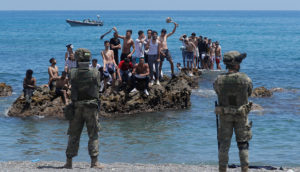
(233, 57)
(83, 55)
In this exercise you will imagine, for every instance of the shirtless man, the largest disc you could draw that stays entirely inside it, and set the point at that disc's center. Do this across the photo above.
(194, 40)
(127, 44)
(29, 84)
(69, 51)
(190, 49)
(218, 53)
(164, 51)
(140, 73)
(62, 86)
(212, 55)
(53, 74)
(109, 64)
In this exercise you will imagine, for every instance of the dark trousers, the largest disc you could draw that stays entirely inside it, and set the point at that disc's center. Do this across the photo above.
(140, 81)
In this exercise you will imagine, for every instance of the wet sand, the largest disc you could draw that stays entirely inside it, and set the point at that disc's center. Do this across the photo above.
(51, 166)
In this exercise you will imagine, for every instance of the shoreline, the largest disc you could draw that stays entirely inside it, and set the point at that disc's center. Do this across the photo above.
(16, 166)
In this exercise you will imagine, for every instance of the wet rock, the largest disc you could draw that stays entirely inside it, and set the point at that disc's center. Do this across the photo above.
(277, 90)
(44, 103)
(256, 107)
(171, 94)
(261, 92)
(5, 90)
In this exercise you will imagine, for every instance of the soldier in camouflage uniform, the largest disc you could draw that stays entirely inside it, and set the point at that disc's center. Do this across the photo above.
(233, 90)
(84, 108)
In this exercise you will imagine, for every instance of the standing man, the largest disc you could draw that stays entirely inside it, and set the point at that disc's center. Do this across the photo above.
(149, 33)
(202, 49)
(84, 108)
(218, 53)
(69, 51)
(139, 44)
(194, 40)
(127, 44)
(233, 90)
(164, 51)
(53, 74)
(70, 63)
(190, 49)
(183, 48)
(115, 45)
(153, 46)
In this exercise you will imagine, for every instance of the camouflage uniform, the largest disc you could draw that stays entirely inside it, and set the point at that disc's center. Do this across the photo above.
(233, 90)
(84, 94)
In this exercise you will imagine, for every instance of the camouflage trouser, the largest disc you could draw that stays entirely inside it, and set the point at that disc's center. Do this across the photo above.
(242, 129)
(84, 113)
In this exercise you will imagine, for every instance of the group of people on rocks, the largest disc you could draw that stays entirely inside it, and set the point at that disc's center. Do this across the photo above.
(140, 61)
(199, 52)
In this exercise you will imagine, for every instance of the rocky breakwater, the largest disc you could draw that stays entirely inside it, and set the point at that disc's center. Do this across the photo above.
(171, 94)
(5, 90)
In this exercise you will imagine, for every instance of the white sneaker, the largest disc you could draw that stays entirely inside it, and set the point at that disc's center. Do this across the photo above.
(146, 92)
(151, 83)
(157, 82)
(133, 90)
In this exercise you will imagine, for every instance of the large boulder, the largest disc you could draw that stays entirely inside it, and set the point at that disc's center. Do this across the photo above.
(261, 92)
(172, 94)
(5, 90)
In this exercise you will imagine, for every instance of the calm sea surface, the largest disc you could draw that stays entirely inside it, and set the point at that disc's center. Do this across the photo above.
(272, 40)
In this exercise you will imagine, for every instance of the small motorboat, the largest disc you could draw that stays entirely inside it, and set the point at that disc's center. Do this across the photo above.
(85, 22)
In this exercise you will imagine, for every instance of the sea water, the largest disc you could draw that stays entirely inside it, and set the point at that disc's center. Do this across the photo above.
(28, 39)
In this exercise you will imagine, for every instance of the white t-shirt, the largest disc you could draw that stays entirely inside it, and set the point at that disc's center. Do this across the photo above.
(97, 66)
(71, 64)
(139, 48)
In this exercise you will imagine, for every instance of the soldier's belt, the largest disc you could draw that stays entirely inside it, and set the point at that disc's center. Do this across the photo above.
(244, 109)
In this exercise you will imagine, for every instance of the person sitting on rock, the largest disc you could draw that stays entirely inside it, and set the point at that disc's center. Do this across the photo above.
(62, 86)
(53, 74)
(125, 67)
(29, 84)
(140, 74)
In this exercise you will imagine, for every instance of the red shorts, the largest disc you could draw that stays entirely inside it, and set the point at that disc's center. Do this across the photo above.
(217, 60)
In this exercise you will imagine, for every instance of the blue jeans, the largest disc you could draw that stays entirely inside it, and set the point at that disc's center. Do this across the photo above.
(152, 59)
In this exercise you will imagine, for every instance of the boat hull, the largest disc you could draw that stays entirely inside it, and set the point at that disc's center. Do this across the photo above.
(79, 23)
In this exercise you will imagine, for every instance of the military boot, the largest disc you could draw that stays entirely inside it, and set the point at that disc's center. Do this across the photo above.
(68, 164)
(222, 168)
(244, 169)
(94, 163)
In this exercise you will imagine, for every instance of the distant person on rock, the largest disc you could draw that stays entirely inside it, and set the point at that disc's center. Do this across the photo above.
(164, 51)
(62, 86)
(149, 35)
(109, 64)
(139, 45)
(128, 43)
(218, 53)
(69, 51)
(183, 48)
(126, 68)
(190, 49)
(115, 45)
(194, 40)
(70, 63)
(95, 64)
(140, 75)
(153, 46)
(202, 49)
(53, 74)
(29, 84)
